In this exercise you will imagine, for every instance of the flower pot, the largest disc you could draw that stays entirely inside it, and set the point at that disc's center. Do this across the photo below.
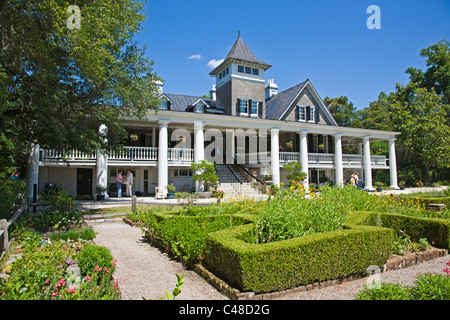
(402, 188)
(100, 197)
(379, 189)
(170, 195)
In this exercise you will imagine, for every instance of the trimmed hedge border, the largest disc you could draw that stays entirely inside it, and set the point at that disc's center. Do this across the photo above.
(281, 265)
(437, 231)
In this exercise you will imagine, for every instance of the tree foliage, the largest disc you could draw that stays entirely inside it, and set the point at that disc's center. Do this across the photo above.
(58, 85)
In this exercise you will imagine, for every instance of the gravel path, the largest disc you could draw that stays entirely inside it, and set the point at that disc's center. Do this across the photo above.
(144, 271)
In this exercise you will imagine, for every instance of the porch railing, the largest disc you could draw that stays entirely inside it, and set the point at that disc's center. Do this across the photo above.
(135, 153)
(180, 154)
(187, 155)
(67, 154)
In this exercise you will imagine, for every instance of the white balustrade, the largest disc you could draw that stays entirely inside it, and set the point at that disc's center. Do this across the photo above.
(180, 154)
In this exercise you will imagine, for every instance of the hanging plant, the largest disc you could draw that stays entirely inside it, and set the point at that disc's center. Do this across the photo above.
(289, 144)
(133, 137)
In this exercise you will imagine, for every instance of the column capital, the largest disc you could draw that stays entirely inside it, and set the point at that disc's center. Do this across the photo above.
(366, 138)
(303, 132)
(392, 139)
(338, 135)
(163, 122)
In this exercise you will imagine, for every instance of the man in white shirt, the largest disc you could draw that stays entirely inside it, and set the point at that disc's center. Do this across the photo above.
(129, 182)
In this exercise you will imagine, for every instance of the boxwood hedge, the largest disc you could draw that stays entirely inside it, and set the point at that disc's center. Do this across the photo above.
(290, 263)
(436, 231)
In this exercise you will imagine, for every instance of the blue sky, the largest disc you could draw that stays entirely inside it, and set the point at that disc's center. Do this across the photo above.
(325, 41)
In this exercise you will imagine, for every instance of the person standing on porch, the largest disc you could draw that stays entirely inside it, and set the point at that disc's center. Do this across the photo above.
(357, 180)
(129, 182)
(119, 181)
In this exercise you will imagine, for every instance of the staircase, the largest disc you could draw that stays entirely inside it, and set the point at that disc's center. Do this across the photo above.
(233, 183)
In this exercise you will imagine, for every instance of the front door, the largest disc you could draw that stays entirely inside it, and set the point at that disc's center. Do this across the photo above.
(84, 181)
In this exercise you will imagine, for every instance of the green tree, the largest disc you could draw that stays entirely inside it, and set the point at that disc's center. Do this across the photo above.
(295, 171)
(205, 172)
(437, 75)
(343, 111)
(59, 84)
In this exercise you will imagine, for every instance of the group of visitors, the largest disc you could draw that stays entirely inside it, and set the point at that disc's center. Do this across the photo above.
(355, 181)
(128, 181)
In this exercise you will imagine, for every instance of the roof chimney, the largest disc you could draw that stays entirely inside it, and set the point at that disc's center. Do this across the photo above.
(159, 86)
(271, 88)
(212, 93)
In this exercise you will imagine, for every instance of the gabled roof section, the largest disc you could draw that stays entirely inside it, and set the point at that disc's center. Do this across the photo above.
(278, 105)
(241, 52)
(181, 102)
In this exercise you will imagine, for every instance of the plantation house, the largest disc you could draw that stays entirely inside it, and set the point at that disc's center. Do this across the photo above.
(246, 127)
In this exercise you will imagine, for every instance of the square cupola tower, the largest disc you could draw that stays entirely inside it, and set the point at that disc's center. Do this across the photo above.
(240, 82)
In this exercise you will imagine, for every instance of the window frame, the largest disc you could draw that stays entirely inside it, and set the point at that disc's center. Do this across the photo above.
(302, 111)
(241, 106)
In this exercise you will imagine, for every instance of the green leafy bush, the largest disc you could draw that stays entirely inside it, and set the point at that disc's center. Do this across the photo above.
(10, 195)
(93, 258)
(61, 213)
(385, 291)
(427, 286)
(74, 235)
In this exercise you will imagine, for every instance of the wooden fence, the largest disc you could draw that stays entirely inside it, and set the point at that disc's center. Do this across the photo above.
(4, 225)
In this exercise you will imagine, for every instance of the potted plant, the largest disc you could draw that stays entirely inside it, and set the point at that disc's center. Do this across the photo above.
(321, 147)
(402, 185)
(171, 191)
(133, 137)
(100, 192)
(379, 185)
(289, 144)
(206, 173)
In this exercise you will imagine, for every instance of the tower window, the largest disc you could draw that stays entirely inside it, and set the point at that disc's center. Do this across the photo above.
(248, 70)
(243, 106)
(255, 105)
(255, 71)
(241, 69)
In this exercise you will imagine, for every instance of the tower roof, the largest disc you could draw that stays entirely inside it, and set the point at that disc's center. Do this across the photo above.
(240, 52)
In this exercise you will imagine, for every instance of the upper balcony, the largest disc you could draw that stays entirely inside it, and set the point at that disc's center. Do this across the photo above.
(148, 156)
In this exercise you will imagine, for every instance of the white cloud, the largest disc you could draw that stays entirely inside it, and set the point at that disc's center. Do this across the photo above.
(214, 63)
(195, 57)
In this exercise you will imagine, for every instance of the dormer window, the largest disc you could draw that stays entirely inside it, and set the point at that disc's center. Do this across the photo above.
(312, 114)
(301, 113)
(163, 105)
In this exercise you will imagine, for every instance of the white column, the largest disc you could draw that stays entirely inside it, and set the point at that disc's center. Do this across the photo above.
(393, 164)
(339, 168)
(361, 172)
(163, 164)
(199, 150)
(275, 156)
(304, 156)
(32, 170)
(367, 165)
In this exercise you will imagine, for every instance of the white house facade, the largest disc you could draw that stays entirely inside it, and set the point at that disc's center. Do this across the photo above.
(246, 127)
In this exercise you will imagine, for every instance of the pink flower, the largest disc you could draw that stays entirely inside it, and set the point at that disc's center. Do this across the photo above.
(115, 261)
(47, 281)
(116, 284)
(87, 278)
(97, 268)
(54, 294)
(62, 282)
(447, 270)
(71, 289)
(106, 269)
(448, 263)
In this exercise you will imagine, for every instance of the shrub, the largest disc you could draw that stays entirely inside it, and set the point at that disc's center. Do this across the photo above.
(386, 291)
(93, 257)
(436, 231)
(61, 212)
(431, 287)
(284, 264)
(10, 195)
(74, 235)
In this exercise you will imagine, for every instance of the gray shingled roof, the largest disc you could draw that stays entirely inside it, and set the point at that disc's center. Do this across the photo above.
(181, 102)
(277, 105)
(241, 52)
